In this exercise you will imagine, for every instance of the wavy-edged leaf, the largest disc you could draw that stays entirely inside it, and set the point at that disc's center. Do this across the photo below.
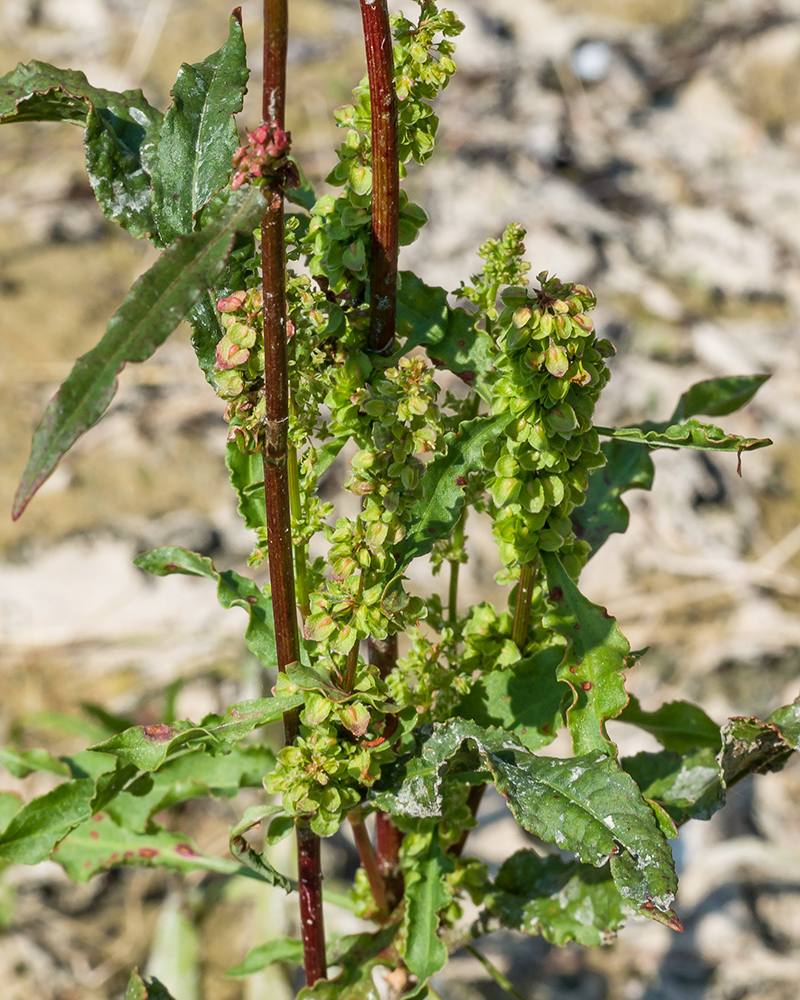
(142, 989)
(247, 479)
(787, 719)
(100, 844)
(561, 900)
(427, 893)
(688, 787)
(750, 746)
(147, 747)
(677, 725)
(688, 434)
(524, 699)
(255, 861)
(155, 305)
(198, 137)
(628, 467)
(597, 653)
(586, 804)
(121, 132)
(450, 336)
(264, 955)
(443, 484)
(717, 397)
(233, 590)
(357, 955)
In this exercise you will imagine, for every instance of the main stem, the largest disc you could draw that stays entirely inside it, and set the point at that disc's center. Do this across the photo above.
(276, 471)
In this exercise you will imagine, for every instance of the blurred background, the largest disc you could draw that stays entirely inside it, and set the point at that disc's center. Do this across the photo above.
(652, 150)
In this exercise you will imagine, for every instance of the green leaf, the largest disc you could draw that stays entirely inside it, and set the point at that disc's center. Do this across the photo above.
(21, 763)
(141, 989)
(449, 335)
(36, 829)
(678, 725)
(357, 954)
(787, 719)
(750, 746)
(596, 654)
(717, 397)
(585, 804)
(302, 195)
(153, 308)
(233, 590)
(264, 955)
(247, 478)
(10, 805)
(561, 900)
(206, 333)
(198, 137)
(436, 513)
(121, 131)
(100, 844)
(689, 787)
(427, 893)
(244, 853)
(628, 467)
(524, 699)
(688, 434)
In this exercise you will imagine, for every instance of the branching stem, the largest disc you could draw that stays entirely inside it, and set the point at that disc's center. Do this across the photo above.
(369, 863)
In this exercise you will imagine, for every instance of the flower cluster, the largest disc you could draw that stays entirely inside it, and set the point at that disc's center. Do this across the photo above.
(265, 156)
(551, 370)
(239, 365)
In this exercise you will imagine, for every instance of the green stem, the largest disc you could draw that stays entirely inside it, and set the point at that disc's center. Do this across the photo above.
(495, 973)
(522, 610)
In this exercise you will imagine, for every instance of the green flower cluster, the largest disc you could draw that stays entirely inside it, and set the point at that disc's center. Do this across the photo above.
(238, 369)
(503, 266)
(551, 370)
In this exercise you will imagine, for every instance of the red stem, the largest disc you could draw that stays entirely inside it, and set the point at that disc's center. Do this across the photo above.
(370, 864)
(276, 473)
(385, 176)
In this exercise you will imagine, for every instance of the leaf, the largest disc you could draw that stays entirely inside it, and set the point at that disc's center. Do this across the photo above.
(302, 195)
(206, 334)
(688, 434)
(449, 335)
(255, 861)
(585, 804)
(717, 397)
(121, 131)
(36, 829)
(21, 763)
(100, 844)
(264, 955)
(10, 805)
(750, 746)
(147, 747)
(427, 893)
(787, 719)
(247, 479)
(596, 654)
(689, 787)
(524, 699)
(677, 725)
(198, 137)
(436, 513)
(357, 954)
(233, 590)
(153, 308)
(628, 467)
(561, 900)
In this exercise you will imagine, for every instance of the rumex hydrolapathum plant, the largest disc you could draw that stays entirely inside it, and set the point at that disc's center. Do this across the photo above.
(313, 341)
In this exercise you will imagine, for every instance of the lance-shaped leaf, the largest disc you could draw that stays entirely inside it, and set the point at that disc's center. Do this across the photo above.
(628, 467)
(448, 335)
(147, 747)
(427, 893)
(142, 989)
(233, 590)
(255, 861)
(100, 844)
(36, 829)
(688, 434)
(586, 804)
(264, 955)
(717, 397)
(596, 654)
(198, 137)
(689, 787)
(357, 955)
(153, 308)
(524, 699)
(121, 132)
(561, 900)
(678, 725)
(443, 484)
